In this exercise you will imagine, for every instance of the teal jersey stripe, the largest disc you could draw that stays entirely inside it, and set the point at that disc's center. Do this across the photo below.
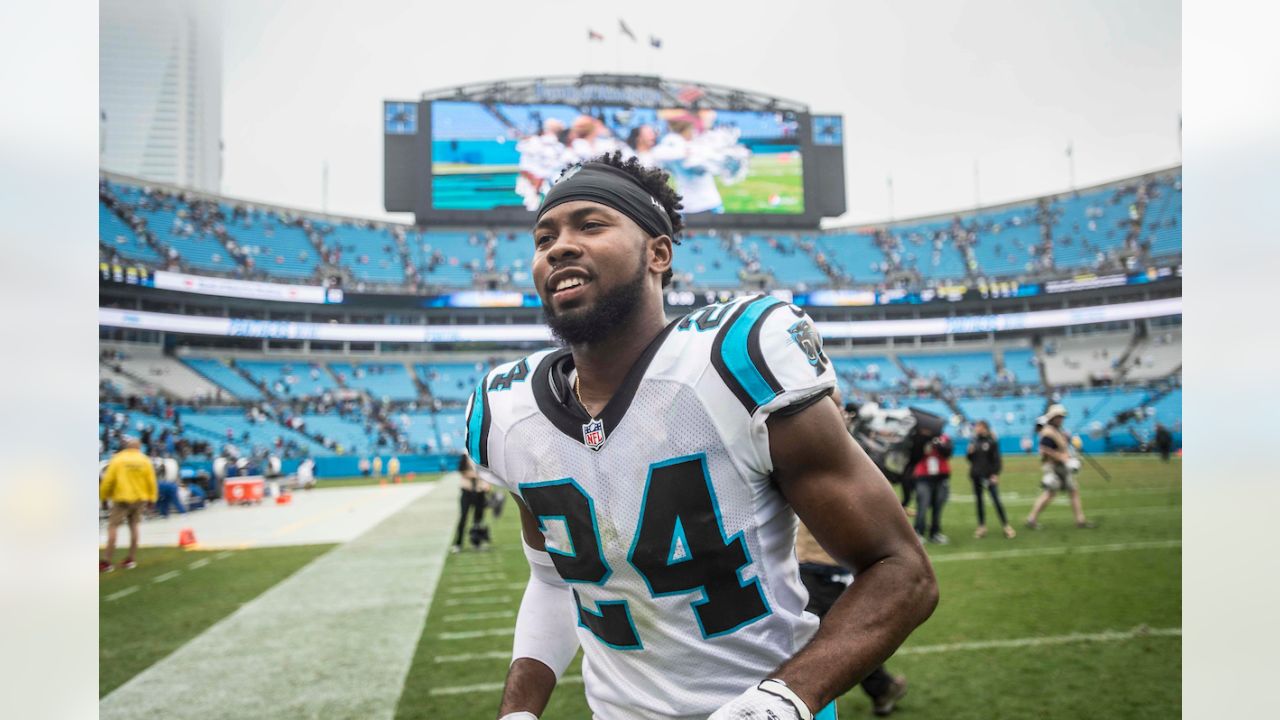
(476, 423)
(738, 360)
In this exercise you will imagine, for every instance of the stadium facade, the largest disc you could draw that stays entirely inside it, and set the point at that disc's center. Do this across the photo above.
(290, 332)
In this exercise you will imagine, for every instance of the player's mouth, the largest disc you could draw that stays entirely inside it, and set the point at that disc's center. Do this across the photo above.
(568, 285)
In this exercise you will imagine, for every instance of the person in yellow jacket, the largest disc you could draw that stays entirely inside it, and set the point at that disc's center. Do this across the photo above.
(129, 482)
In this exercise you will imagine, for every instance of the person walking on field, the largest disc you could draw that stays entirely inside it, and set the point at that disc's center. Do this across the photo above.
(129, 483)
(985, 465)
(1060, 468)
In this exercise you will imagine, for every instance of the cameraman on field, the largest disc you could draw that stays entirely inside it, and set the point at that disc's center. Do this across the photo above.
(1060, 467)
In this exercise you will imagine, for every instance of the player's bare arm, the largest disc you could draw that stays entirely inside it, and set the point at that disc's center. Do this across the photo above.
(853, 512)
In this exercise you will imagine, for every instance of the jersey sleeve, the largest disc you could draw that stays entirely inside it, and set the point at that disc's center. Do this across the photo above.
(770, 356)
(486, 429)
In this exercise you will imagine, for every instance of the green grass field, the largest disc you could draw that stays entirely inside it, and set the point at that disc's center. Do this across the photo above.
(174, 595)
(363, 481)
(769, 175)
(1056, 623)
(1024, 597)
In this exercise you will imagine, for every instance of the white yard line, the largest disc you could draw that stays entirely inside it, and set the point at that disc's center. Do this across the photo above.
(472, 634)
(1023, 642)
(1106, 636)
(459, 589)
(494, 615)
(494, 686)
(482, 600)
(1055, 550)
(469, 657)
(199, 564)
(121, 593)
(345, 627)
(166, 577)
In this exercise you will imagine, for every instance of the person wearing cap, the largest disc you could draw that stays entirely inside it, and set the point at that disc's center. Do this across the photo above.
(129, 483)
(659, 468)
(1059, 467)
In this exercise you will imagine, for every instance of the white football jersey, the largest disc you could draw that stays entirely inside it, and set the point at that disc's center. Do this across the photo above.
(660, 513)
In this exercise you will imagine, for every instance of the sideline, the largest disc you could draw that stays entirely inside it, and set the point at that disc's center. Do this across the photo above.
(335, 639)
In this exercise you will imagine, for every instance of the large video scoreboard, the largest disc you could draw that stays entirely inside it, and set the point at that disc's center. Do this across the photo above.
(475, 158)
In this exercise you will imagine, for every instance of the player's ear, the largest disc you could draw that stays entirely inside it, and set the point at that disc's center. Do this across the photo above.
(660, 254)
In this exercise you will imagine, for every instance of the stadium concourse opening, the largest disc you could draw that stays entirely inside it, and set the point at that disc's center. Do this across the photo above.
(244, 339)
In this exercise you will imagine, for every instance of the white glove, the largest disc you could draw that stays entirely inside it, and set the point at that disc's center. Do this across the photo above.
(1073, 465)
(758, 704)
(522, 715)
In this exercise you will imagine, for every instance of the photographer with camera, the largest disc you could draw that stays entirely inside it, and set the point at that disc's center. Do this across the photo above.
(1060, 467)
(933, 487)
(985, 465)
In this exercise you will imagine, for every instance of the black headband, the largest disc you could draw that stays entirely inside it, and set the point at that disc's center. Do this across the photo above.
(601, 183)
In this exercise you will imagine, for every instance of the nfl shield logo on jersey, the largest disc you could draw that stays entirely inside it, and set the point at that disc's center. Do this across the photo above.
(593, 434)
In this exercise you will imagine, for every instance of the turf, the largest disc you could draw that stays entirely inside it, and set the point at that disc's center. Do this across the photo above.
(1051, 586)
(768, 175)
(362, 481)
(165, 611)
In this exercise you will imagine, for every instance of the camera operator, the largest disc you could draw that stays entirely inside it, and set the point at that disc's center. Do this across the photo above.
(985, 465)
(1059, 466)
(933, 488)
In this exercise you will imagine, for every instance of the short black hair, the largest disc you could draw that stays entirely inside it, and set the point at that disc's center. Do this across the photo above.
(657, 182)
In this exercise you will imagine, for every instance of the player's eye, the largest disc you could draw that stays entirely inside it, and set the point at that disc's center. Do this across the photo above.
(541, 240)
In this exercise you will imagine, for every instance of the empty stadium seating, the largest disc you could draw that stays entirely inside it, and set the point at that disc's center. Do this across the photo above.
(964, 369)
(116, 234)
(389, 381)
(224, 377)
(287, 379)
(277, 249)
(451, 381)
(856, 254)
(370, 253)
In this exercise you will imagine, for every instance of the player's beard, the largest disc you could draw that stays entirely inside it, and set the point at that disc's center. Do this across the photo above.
(610, 312)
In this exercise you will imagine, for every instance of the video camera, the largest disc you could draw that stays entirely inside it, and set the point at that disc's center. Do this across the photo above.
(894, 439)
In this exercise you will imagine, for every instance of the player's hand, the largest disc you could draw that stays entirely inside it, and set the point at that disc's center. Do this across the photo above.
(756, 704)
(995, 479)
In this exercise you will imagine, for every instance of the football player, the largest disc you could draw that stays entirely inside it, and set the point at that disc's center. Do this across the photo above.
(659, 468)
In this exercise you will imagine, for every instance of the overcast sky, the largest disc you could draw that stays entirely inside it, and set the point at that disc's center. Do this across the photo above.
(927, 88)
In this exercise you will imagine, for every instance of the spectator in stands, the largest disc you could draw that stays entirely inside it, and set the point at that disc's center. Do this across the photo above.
(474, 493)
(1059, 466)
(1163, 441)
(933, 486)
(985, 465)
(129, 484)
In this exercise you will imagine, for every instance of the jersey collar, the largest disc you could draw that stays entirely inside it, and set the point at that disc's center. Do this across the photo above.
(553, 392)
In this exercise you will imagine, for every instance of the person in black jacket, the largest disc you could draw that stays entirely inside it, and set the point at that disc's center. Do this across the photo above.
(984, 471)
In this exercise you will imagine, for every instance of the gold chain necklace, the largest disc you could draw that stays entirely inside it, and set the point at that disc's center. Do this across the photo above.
(577, 391)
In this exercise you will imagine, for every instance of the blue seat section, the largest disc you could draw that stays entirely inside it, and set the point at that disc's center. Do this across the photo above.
(515, 256)
(451, 382)
(447, 258)
(381, 380)
(214, 425)
(707, 259)
(347, 432)
(928, 247)
(277, 249)
(1009, 417)
(114, 233)
(856, 254)
(369, 252)
(451, 426)
(224, 377)
(868, 373)
(1090, 225)
(170, 221)
(1004, 241)
(1085, 408)
(781, 257)
(955, 369)
(288, 379)
(1021, 363)
(421, 432)
(1162, 224)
